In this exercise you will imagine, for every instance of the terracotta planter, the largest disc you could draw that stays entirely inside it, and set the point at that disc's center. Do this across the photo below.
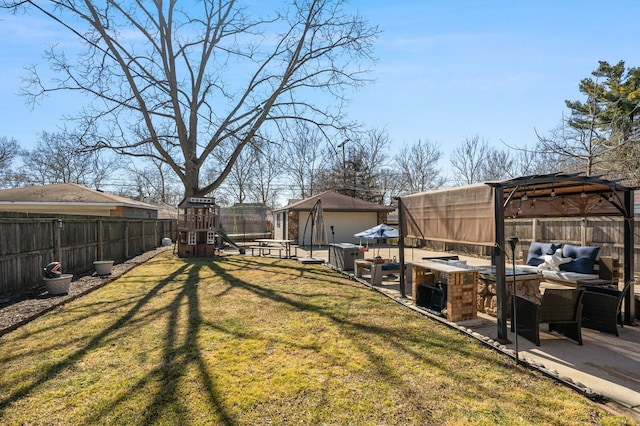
(103, 267)
(59, 285)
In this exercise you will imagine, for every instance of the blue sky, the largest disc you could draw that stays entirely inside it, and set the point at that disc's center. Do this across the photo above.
(447, 70)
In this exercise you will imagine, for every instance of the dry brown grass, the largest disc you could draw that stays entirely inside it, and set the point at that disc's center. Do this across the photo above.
(242, 340)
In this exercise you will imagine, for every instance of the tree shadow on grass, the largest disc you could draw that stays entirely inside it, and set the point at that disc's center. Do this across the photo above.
(182, 350)
(166, 375)
(177, 357)
(434, 351)
(285, 267)
(358, 332)
(362, 334)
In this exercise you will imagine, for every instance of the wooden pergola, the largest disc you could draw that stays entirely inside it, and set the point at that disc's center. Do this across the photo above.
(476, 214)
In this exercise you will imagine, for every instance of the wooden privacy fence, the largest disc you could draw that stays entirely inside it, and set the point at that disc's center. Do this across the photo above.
(604, 232)
(29, 242)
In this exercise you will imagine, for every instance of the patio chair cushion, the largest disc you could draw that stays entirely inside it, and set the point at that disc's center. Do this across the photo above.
(584, 258)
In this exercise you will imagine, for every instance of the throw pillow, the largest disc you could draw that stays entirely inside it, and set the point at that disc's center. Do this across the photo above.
(584, 258)
(536, 250)
(553, 262)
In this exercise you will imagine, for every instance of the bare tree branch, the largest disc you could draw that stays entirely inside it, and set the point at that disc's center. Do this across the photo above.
(178, 83)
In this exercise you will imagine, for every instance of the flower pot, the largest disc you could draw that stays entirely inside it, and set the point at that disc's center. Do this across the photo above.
(103, 267)
(59, 285)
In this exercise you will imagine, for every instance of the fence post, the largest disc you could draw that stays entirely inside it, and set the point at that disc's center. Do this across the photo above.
(100, 248)
(57, 239)
(126, 239)
(142, 235)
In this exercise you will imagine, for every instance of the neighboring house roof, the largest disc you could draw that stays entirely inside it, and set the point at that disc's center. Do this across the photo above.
(332, 201)
(166, 211)
(65, 195)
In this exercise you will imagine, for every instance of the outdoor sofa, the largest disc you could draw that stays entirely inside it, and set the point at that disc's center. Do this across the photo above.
(569, 264)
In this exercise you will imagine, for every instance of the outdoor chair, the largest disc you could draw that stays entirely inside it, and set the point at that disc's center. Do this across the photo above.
(602, 308)
(561, 309)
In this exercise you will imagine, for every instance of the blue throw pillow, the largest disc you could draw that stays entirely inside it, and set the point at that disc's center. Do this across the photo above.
(535, 261)
(537, 249)
(584, 258)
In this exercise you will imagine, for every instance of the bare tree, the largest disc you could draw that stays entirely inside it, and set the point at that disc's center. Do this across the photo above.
(355, 171)
(154, 182)
(497, 165)
(533, 161)
(468, 160)
(265, 173)
(390, 185)
(370, 156)
(9, 150)
(187, 79)
(302, 148)
(59, 158)
(237, 186)
(577, 149)
(418, 167)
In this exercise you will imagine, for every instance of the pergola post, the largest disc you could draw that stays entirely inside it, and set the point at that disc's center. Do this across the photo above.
(629, 305)
(401, 231)
(499, 260)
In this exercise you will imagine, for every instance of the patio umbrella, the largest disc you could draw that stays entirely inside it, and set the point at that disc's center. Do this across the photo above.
(380, 231)
(318, 233)
(377, 232)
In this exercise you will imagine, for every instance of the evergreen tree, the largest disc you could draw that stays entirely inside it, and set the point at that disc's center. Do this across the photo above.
(607, 118)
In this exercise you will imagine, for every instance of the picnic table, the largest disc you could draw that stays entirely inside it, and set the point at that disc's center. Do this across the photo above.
(267, 245)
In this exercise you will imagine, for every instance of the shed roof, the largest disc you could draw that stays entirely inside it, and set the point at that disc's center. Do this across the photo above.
(332, 201)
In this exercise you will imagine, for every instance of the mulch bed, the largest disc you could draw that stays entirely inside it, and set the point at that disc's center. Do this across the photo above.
(20, 308)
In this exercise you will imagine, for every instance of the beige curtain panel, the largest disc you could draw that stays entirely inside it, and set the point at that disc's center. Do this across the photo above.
(463, 215)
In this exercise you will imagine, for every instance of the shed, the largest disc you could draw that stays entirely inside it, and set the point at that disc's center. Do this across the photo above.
(343, 216)
(475, 215)
(74, 199)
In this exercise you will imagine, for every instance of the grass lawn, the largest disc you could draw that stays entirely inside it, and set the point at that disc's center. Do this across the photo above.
(249, 341)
